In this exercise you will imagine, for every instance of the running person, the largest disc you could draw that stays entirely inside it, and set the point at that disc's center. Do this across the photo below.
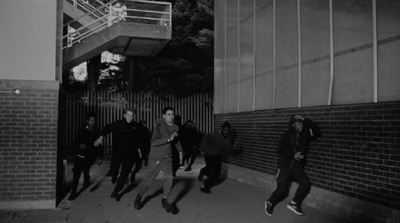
(292, 154)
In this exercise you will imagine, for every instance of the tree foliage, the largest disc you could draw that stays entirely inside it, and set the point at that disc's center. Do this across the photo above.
(186, 65)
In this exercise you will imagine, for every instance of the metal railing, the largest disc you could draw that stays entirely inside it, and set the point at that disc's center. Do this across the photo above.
(87, 6)
(104, 15)
(109, 107)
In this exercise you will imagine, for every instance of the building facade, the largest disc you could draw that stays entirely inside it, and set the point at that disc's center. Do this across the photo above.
(334, 61)
(30, 50)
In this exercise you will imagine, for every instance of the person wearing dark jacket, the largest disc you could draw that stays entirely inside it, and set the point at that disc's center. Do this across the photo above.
(145, 149)
(190, 139)
(127, 139)
(292, 154)
(214, 145)
(164, 139)
(85, 154)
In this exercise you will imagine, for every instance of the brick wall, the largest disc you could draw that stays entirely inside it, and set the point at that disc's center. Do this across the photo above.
(357, 156)
(28, 141)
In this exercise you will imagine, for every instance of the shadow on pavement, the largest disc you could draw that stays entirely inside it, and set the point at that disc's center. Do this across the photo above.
(98, 184)
(127, 189)
(187, 186)
(151, 196)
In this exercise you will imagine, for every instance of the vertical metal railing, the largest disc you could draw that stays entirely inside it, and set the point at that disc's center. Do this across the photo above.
(103, 15)
(110, 106)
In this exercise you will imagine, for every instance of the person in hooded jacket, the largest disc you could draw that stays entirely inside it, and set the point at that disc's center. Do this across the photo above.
(214, 146)
(163, 141)
(85, 154)
(292, 153)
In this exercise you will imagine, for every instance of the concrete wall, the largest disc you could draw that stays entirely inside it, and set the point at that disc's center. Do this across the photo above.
(30, 50)
(28, 39)
(281, 54)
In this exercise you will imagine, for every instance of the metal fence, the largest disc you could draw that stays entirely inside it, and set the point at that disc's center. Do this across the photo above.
(110, 106)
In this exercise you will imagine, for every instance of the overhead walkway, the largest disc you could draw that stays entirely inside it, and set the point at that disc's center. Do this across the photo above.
(128, 27)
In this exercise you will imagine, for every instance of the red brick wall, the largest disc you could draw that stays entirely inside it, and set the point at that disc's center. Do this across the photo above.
(28, 140)
(358, 154)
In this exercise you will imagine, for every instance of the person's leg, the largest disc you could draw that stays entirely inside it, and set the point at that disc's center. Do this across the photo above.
(112, 162)
(152, 172)
(145, 155)
(86, 173)
(127, 163)
(193, 157)
(283, 185)
(138, 167)
(186, 156)
(168, 179)
(76, 170)
(116, 164)
(300, 176)
(204, 171)
(175, 161)
(214, 172)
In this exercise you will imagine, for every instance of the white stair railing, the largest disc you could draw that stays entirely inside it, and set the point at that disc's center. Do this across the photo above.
(104, 15)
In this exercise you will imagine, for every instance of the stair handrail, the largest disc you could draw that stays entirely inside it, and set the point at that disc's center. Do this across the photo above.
(115, 15)
(87, 7)
(90, 12)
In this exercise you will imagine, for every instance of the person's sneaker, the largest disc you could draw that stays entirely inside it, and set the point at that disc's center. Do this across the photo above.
(188, 169)
(137, 204)
(205, 190)
(269, 208)
(166, 205)
(295, 208)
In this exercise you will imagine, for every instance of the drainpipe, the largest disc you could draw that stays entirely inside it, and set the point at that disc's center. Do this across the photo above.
(299, 51)
(331, 52)
(375, 52)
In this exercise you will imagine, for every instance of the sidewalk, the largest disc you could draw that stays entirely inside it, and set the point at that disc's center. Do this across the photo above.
(230, 201)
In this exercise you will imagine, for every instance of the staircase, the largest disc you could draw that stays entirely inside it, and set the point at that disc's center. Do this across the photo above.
(128, 27)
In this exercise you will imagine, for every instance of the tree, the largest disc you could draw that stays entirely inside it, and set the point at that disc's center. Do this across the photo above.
(186, 65)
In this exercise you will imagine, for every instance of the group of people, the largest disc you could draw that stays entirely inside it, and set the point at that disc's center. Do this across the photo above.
(131, 147)
(171, 143)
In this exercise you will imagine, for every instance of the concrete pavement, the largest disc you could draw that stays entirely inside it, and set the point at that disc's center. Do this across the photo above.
(230, 201)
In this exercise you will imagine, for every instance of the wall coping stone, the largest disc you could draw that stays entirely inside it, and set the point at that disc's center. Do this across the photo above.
(11, 85)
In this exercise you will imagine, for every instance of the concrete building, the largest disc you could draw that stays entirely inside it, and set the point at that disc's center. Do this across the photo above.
(334, 61)
(36, 47)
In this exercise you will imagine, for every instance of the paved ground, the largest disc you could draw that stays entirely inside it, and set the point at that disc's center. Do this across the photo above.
(230, 201)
